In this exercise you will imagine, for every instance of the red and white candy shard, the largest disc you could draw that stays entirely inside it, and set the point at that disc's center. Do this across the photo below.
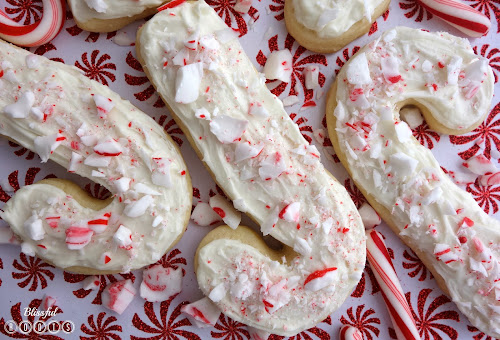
(92, 282)
(242, 6)
(383, 269)
(279, 65)
(91, 131)
(436, 218)
(369, 216)
(118, 295)
(259, 157)
(159, 284)
(48, 302)
(348, 332)
(204, 215)
(203, 312)
(257, 334)
(225, 210)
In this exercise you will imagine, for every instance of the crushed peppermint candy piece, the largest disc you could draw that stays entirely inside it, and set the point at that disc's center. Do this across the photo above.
(97, 161)
(291, 212)
(202, 114)
(239, 204)
(272, 166)
(99, 224)
(21, 108)
(75, 160)
(122, 39)
(258, 110)
(403, 131)
(204, 215)
(258, 334)
(123, 236)
(269, 222)
(358, 72)
(412, 116)
(402, 164)
(139, 207)
(492, 179)
(28, 249)
(242, 6)
(226, 35)
(226, 211)
(118, 295)
(453, 69)
(104, 104)
(218, 293)
(7, 236)
(159, 284)
(191, 42)
(108, 148)
(34, 228)
(426, 66)
(203, 312)
(443, 253)
(246, 150)
(78, 237)
(122, 184)
(480, 165)
(279, 65)
(302, 247)
(369, 216)
(390, 69)
(462, 178)
(45, 146)
(161, 172)
(290, 100)
(228, 129)
(91, 282)
(320, 279)
(48, 302)
(100, 6)
(187, 83)
(32, 61)
(311, 73)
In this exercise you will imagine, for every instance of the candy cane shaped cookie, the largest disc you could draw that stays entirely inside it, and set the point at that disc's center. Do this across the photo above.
(111, 15)
(260, 159)
(83, 126)
(401, 179)
(327, 26)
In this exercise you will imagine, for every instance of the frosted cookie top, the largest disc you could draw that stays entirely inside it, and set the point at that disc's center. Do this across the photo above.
(261, 160)
(82, 125)
(110, 9)
(332, 18)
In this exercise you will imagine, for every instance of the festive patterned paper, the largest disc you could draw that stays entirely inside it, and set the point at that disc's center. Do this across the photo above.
(24, 280)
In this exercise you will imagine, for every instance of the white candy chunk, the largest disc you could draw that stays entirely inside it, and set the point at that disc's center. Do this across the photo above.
(258, 334)
(402, 164)
(242, 6)
(319, 281)
(291, 213)
(358, 72)
(48, 302)
(240, 204)
(327, 225)
(157, 221)
(369, 216)
(89, 140)
(426, 66)
(403, 131)
(123, 236)
(279, 65)
(138, 208)
(311, 74)
(272, 166)
(269, 222)
(159, 284)
(97, 161)
(182, 57)
(99, 6)
(225, 210)
(91, 283)
(21, 108)
(32, 61)
(109, 147)
(209, 42)
(228, 129)
(302, 247)
(480, 165)
(203, 311)
(412, 116)
(226, 35)
(453, 69)
(258, 110)
(187, 83)
(192, 41)
(122, 39)
(218, 293)
(144, 189)
(202, 114)
(161, 172)
(37, 113)
(7, 236)
(117, 296)
(45, 145)
(75, 160)
(34, 228)
(122, 184)
(390, 69)
(204, 215)
(104, 104)
(433, 196)
(245, 150)
(27, 249)
(290, 101)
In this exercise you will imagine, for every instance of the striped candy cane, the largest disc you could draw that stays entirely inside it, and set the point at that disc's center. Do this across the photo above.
(459, 15)
(394, 298)
(38, 33)
(350, 333)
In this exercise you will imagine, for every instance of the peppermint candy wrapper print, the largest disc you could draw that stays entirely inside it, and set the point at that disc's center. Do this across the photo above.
(110, 59)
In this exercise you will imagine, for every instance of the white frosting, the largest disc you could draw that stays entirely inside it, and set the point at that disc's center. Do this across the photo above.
(86, 10)
(126, 144)
(281, 169)
(439, 219)
(332, 18)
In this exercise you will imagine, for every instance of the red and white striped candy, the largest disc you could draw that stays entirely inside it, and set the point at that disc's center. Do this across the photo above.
(350, 333)
(394, 298)
(38, 33)
(78, 237)
(203, 312)
(99, 224)
(117, 296)
(461, 16)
